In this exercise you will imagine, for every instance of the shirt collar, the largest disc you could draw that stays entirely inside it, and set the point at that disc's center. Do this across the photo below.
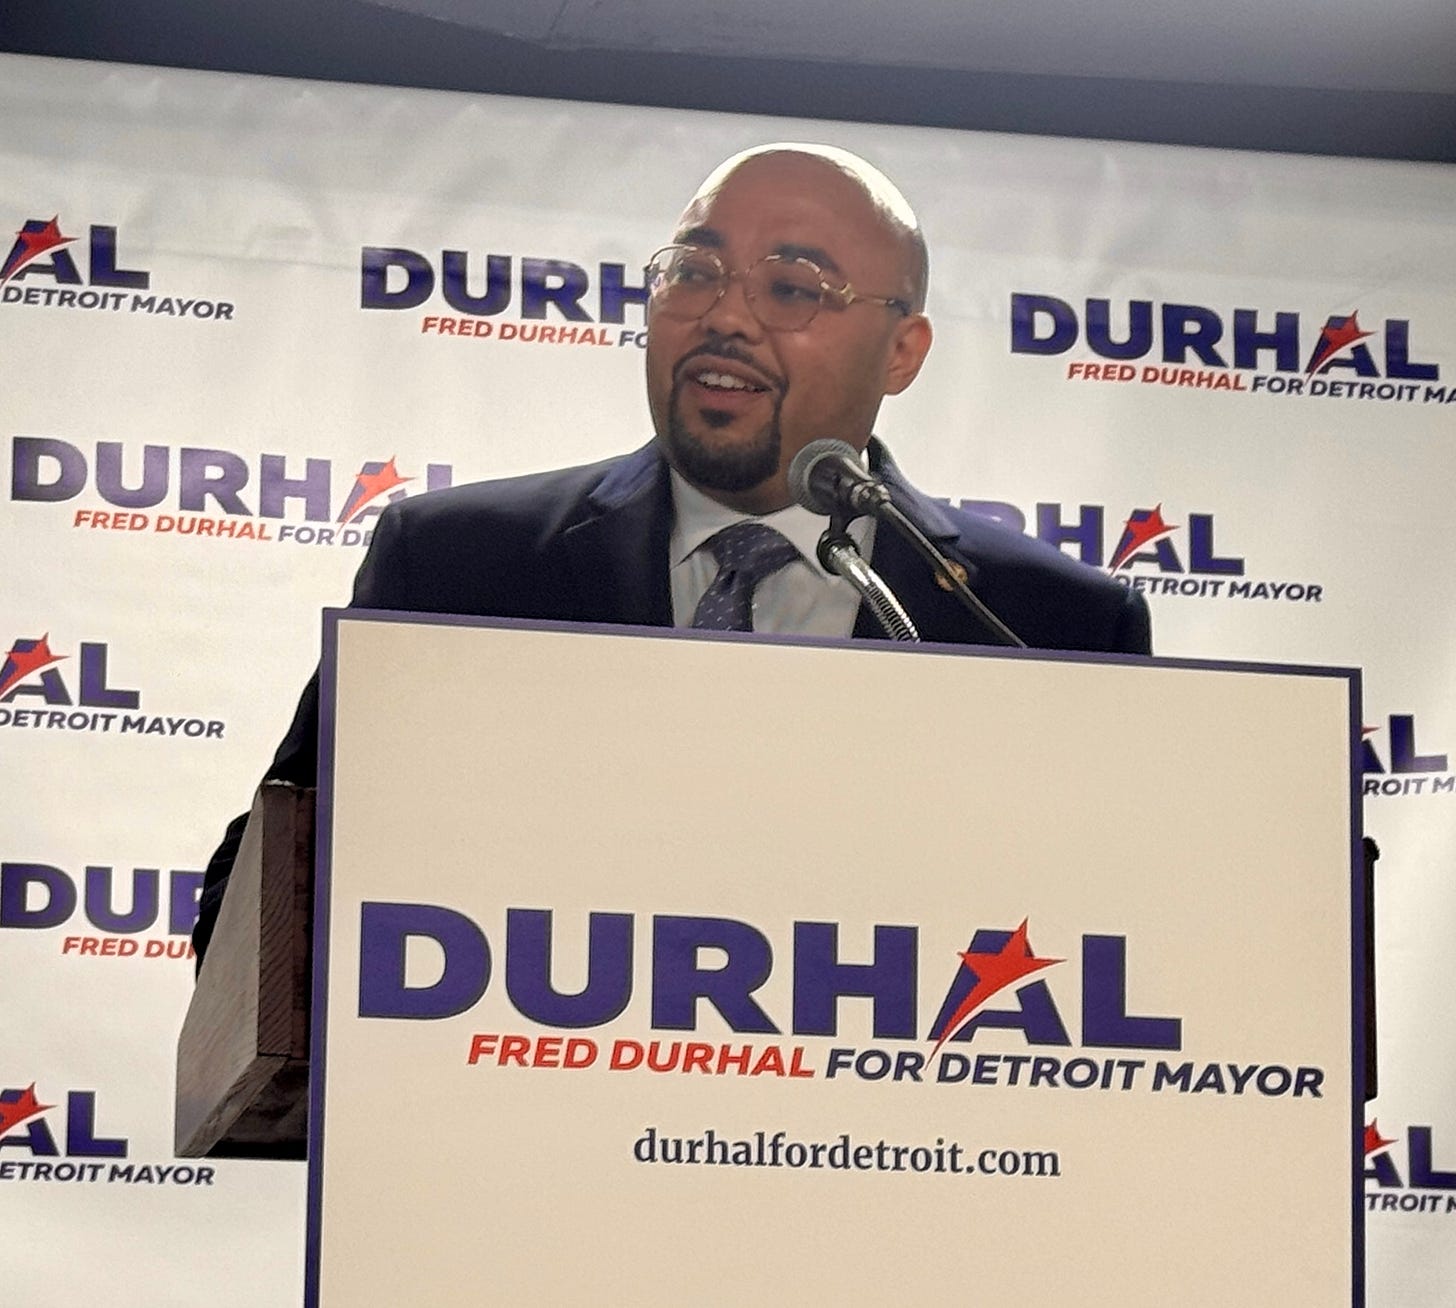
(698, 517)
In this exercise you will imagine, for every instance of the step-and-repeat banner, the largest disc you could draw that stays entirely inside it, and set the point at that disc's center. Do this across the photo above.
(241, 315)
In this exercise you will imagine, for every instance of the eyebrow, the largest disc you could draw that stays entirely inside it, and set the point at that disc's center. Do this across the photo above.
(712, 239)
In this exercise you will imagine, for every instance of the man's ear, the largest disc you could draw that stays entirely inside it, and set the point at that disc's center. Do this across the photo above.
(908, 349)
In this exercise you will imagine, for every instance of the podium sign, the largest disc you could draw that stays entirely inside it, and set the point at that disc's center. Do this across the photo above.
(654, 968)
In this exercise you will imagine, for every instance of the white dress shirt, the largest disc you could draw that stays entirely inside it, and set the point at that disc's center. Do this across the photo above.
(799, 599)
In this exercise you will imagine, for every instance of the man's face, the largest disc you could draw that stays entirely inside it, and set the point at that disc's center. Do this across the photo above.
(732, 401)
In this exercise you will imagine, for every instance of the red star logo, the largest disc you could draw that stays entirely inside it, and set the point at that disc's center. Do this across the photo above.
(13, 1114)
(20, 663)
(993, 972)
(368, 485)
(32, 241)
(1140, 530)
(1336, 335)
(1374, 1141)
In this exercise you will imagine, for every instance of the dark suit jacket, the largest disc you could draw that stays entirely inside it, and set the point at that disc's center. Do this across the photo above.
(590, 544)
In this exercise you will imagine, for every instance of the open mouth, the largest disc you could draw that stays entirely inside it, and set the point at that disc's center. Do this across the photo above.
(721, 383)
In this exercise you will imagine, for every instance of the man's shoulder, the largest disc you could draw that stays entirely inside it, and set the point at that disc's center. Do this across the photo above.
(994, 545)
(501, 548)
(1051, 600)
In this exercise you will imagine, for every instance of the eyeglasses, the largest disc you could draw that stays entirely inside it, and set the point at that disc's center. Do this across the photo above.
(783, 293)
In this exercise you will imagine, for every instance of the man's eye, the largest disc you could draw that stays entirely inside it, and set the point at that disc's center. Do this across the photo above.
(694, 274)
(787, 291)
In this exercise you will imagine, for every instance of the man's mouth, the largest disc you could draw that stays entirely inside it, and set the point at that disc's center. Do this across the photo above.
(712, 379)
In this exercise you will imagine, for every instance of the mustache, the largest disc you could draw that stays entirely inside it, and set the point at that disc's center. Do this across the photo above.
(730, 353)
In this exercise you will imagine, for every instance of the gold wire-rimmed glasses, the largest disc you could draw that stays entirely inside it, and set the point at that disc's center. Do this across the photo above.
(784, 292)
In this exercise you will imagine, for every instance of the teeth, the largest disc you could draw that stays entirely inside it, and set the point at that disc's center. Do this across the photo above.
(723, 381)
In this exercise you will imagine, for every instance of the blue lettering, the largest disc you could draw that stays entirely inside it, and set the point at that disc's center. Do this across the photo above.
(95, 693)
(617, 294)
(144, 900)
(218, 473)
(529, 937)
(1397, 354)
(1105, 1019)
(1139, 330)
(1025, 311)
(820, 979)
(1422, 1174)
(109, 476)
(678, 982)
(1201, 557)
(384, 934)
(1191, 327)
(453, 273)
(16, 880)
(276, 488)
(374, 292)
(537, 290)
(26, 482)
(104, 271)
(81, 1138)
(1403, 755)
(1249, 341)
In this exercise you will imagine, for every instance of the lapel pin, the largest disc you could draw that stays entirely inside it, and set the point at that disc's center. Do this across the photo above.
(957, 570)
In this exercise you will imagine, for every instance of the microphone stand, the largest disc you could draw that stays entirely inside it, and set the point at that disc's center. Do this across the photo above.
(839, 555)
(946, 574)
(827, 476)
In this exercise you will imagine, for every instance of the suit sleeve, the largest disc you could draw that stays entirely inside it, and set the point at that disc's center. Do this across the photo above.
(378, 585)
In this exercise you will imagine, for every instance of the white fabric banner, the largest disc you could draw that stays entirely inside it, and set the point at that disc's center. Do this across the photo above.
(238, 315)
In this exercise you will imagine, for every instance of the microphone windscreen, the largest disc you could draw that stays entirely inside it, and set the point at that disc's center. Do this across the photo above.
(815, 492)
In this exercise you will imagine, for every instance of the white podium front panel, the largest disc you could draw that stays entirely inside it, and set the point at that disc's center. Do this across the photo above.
(663, 969)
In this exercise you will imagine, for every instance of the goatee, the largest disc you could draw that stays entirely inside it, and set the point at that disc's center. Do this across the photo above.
(729, 466)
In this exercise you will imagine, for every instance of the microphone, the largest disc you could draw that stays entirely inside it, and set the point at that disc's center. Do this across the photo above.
(828, 479)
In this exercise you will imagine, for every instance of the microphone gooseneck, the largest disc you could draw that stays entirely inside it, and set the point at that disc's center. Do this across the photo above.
(838, 554)
(827, 478)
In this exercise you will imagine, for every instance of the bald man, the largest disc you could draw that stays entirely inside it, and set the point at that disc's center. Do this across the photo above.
(788, 304)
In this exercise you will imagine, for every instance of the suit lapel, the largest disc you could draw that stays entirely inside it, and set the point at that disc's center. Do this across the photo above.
(617, 556)
(937, 614)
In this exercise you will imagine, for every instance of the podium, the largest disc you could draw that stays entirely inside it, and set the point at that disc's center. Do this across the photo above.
(653, 965)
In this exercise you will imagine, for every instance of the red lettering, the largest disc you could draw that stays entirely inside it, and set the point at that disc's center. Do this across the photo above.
(698, 1057)
(627, 1054)
(580, 1052)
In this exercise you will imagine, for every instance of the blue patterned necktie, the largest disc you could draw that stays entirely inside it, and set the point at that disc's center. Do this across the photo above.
(747, 552)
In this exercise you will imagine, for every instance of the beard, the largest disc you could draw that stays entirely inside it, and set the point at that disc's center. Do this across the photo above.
(731, 466)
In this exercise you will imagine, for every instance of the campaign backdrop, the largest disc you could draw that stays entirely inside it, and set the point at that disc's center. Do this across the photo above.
(240, 315)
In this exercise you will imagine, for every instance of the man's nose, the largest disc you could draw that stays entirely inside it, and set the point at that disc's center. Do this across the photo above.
(731, 314)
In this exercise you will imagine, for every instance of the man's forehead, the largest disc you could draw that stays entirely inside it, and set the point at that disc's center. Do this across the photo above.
(712, 238)
(817, 204)
(825, 166)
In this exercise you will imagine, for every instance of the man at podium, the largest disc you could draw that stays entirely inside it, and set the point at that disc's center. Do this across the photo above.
(789, 302)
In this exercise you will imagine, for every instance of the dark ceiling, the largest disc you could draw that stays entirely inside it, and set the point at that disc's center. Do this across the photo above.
(1380, 110)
